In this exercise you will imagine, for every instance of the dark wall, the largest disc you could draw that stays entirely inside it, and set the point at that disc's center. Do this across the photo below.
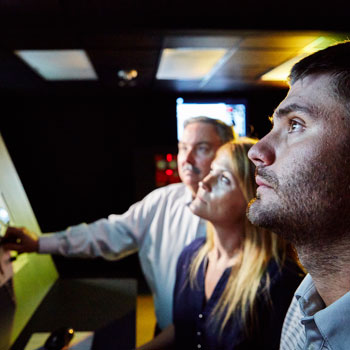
(81, 158)
(77, 157)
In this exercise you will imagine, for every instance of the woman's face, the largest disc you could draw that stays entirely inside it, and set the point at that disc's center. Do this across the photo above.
(219, 198)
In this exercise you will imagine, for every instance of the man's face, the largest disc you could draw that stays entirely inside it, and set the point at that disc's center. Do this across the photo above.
(197, 149)
(303, 166)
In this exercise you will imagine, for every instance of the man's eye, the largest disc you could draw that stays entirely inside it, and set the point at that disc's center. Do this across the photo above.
(294, 126)
(203, 149)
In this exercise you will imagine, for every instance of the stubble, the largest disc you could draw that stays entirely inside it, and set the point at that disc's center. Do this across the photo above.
(311, 205)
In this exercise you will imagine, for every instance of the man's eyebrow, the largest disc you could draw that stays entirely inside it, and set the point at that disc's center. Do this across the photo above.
(311, 111)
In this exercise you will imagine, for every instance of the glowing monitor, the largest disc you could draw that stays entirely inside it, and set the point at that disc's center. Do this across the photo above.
(25, 281)
(232, 112)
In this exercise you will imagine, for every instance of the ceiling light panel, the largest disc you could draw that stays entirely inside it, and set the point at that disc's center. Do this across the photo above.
(188, 63)
(281, 72)
(59, 64)
(275, 41)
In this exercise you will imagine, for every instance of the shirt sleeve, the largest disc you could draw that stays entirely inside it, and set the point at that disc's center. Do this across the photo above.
(111, 238)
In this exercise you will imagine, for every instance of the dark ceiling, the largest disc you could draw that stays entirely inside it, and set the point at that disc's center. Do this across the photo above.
(131, 34)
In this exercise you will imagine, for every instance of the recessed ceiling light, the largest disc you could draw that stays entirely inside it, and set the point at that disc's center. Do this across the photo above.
(59, 64)
(188, 63)
(281, 72)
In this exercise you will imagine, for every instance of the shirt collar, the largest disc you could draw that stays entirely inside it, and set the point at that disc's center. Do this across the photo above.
(304, 286)
(188, 196)
(309, 300)
(332, 321)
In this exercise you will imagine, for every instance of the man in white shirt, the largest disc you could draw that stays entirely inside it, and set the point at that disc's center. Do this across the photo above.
(303, 177)
(158, 227)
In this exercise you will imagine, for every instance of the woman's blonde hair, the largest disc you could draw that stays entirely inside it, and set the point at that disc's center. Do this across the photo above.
(258, 246)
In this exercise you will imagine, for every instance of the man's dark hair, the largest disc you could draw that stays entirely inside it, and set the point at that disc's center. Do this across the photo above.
(333, 61)
(225, 132)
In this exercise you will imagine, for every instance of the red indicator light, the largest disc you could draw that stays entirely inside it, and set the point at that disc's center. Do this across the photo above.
(169, 157)
(169, 172)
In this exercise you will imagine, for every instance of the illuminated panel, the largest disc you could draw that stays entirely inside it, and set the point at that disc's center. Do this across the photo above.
(281, 72)
(59, 64)
(188, 63)
(34, 274)
(231, 112)
(166, 169)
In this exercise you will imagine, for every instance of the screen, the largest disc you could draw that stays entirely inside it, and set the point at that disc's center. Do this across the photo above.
(232, 112)
(26, 278)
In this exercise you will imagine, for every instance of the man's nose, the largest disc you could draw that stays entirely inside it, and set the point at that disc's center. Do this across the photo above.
(190, 156)
(262, 153)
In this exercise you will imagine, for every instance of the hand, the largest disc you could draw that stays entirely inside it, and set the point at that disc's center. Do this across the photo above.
(20, 239)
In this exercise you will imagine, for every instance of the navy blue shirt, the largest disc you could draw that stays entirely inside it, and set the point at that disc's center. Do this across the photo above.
(194, 329)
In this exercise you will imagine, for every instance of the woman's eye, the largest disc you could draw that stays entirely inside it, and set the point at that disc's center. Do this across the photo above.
(294, 126)
(225, 179)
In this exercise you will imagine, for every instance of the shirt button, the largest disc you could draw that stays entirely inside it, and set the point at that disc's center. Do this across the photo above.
(200, 316)
(199, 333)
(199, 346)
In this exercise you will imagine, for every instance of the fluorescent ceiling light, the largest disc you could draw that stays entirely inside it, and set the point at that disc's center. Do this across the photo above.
(188, 63)
(281, 72)
(59, 64)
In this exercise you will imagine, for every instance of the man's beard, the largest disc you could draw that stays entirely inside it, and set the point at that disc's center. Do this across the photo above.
(310, 206)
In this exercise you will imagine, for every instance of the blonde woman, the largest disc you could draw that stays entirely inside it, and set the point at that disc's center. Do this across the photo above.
(234, 287)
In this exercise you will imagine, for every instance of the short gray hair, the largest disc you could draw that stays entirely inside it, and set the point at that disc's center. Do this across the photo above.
(225, 132)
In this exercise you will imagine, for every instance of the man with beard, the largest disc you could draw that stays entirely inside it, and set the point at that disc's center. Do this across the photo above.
(158, 227)
(303, 177)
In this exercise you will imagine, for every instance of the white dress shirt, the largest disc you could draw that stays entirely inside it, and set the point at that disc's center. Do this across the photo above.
(159, 227)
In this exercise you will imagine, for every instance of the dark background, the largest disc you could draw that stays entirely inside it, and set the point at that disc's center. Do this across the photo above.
(81, 158)
(83, 153)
